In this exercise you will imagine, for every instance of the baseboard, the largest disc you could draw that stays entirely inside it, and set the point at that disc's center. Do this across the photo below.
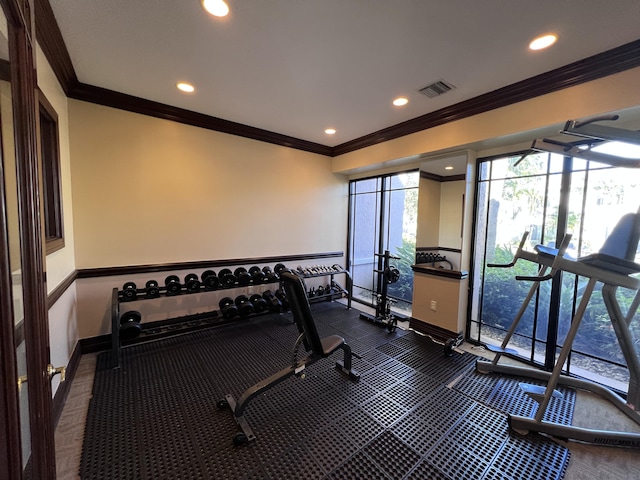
(60, 398)
(439, 333)
(95, 344)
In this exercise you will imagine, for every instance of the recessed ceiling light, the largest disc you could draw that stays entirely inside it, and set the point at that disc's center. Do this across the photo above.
(448, 167)
(543, 41)
(186, 87)
(330, 131)
(217, 8)
(400, 101)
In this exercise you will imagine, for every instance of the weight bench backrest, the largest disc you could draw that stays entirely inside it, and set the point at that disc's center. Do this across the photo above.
(299, 304)
(623, 240)
(618, 251)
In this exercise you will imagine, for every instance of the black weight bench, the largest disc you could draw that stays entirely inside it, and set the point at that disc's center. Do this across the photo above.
(319, 348)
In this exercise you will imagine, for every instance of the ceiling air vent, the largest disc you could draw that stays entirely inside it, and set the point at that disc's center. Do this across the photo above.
(436, 88)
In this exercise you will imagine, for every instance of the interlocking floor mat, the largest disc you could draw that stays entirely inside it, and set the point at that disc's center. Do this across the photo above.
(414, 414)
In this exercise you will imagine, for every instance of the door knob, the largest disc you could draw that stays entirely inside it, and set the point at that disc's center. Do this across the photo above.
(21, 379)
(52, 371)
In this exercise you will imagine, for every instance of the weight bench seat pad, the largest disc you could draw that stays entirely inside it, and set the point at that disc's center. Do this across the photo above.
(330, 344)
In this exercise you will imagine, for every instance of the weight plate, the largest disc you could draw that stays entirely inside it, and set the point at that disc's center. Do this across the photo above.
(171, 279)
(129, 286)
(151, 284)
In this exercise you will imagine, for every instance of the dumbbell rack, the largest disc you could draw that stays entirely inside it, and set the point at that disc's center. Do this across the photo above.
(337, 290)
(163, 328)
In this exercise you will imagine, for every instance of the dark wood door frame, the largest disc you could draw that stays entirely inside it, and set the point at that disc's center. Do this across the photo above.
(21, 27)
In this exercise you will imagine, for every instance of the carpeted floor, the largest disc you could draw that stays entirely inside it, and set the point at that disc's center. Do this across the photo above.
(413, 414)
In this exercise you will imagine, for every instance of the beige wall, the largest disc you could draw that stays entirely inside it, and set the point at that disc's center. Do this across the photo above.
(451, 207)
(428, 229)
(148, 191)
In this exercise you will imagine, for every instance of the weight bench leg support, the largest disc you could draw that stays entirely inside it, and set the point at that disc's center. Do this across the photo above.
(345, 366)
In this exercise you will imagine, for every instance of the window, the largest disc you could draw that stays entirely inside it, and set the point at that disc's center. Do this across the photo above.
(383, 216)
(49, 155)
(549, 196)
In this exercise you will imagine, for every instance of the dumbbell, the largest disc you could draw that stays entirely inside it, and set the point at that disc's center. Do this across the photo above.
(320, 290)
(245, 307)
(257, 275)
(130, 325)
(244, 278)
(228, 308)
(192, 283)
(129, 292)
(172, 284)
(227, 279)
(279, 268)
(152, 290)
(210, 280)
(312, 292)
(259, 303)
(273, 303)
(270, 275)
(282, 296)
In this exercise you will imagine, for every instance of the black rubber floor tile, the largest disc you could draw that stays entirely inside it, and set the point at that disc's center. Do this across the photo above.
(384, 411)
(457, 461)
(294, 463)
(391, 455)
(375, 357)
(359, 427)
(396, 369)
(419, 436)
(174, 458)
(405, 395)
(540, 457)
(378, 379)
(358, 467)
(425, 471)
(330, 447)
(391, 349)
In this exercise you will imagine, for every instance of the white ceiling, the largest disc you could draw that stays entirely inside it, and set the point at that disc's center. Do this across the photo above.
(295, 67)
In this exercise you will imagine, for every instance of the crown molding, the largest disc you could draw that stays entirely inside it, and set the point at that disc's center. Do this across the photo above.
(591, 68)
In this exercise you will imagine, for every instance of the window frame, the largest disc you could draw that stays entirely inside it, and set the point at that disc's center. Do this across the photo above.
(48, 142)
